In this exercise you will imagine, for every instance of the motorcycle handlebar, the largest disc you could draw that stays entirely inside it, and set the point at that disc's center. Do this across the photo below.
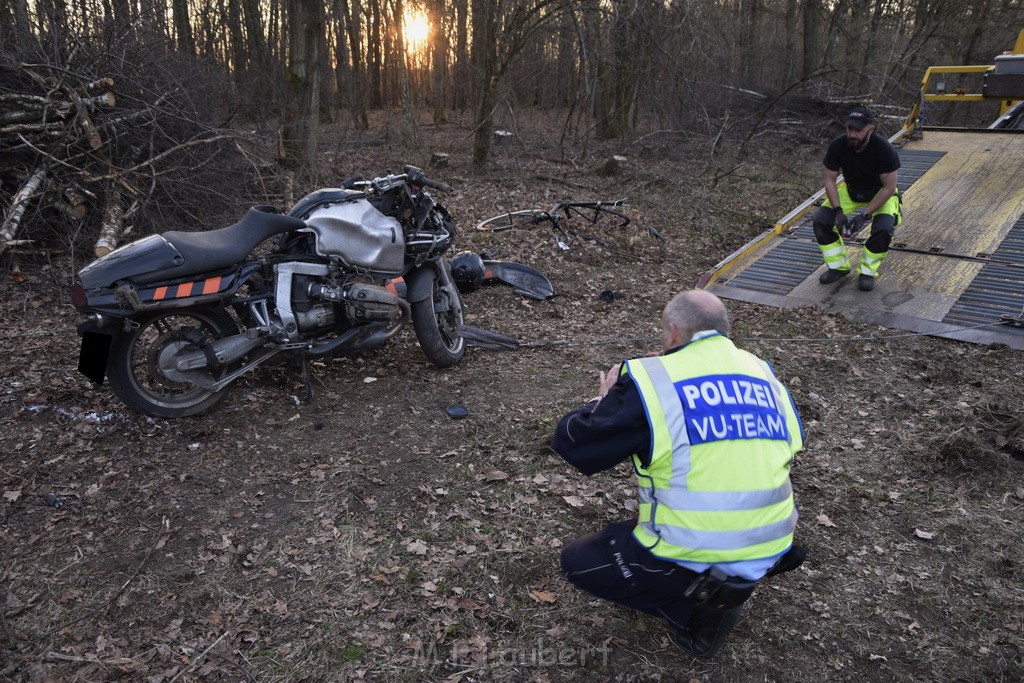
(411, 175)
(417, 177)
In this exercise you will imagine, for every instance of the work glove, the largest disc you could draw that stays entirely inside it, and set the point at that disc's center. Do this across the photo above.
(840, 222)
(857, 220)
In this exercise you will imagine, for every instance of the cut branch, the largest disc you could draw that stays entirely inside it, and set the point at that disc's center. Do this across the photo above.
(153, 160)
(31, 128)
(113, 225)
(85, 121)
(18, 205)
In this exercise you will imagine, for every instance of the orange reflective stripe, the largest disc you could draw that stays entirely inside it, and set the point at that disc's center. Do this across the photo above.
(390, 286)
(184, 289)
(160, 293)
(211, 286)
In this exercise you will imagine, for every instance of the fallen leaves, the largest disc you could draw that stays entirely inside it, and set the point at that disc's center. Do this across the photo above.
(823, 520)
(543, 597)
(926, 535)
(493, 474)
(417, 547)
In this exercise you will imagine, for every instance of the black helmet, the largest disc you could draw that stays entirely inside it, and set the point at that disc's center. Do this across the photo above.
(467, 271)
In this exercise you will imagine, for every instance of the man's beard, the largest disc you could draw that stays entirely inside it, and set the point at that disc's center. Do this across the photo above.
(857, 146)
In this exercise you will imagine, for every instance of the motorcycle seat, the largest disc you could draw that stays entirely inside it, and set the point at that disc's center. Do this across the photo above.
(218, 249)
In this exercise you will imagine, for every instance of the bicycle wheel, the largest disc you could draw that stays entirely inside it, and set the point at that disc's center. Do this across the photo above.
(596, 213)
(512, 219)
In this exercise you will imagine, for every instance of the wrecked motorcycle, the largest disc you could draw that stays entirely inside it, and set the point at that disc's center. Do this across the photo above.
(173, 319)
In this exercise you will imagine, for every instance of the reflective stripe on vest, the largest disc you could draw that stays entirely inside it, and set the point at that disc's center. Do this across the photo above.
(752, 410)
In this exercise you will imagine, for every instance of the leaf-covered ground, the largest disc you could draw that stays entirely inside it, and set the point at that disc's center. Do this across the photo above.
(371, 537)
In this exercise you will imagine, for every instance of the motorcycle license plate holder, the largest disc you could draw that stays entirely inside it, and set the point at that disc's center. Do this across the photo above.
(92, 356)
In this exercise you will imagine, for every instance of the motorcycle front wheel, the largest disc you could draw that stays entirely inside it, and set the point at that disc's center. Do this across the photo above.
(133, 369)
(437, 320)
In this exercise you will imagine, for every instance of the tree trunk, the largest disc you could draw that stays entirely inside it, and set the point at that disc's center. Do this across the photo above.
(262, 73)
(749, 19)
(462, 76)
(299, 133)
(483, 59)
(439, 62)
(633, 43)
(15, 26)
(811, 21)
(834, 39)
(409, 127)
(357, 86)
(182, 27)
(981, 21)
(789, 51)
(239, 52)
(484, 124)
(373, 60)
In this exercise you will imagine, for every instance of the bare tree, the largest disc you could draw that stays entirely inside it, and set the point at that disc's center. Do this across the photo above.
(439, 59)
(357, 85)
(14, 21)
(306, 39)
(625, 59)
(811, 20)
(462, 75)
(500, 31)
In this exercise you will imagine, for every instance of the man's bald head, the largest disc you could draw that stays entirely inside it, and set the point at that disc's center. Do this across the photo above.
(689, 313)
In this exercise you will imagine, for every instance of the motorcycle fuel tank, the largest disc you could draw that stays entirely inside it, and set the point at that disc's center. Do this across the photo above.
(358, 233)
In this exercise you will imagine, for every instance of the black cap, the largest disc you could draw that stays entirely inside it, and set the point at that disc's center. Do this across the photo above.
(860, 117)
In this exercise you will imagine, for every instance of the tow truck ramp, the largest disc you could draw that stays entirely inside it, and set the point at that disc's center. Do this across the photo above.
(955, 267)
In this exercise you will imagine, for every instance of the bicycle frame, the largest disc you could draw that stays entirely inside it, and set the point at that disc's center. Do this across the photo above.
(590, 212)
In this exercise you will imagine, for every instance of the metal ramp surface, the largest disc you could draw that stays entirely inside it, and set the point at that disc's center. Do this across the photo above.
(956, 265)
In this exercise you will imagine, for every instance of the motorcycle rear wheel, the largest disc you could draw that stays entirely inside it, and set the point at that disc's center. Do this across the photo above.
(135, 376)
(437, 321)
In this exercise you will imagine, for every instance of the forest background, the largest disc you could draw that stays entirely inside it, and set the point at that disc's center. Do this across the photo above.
(370, 537)
(218, 102)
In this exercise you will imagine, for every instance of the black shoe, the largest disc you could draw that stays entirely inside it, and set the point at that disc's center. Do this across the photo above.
(830, 276)
(793, 558)
(866, 283)
(705, 635)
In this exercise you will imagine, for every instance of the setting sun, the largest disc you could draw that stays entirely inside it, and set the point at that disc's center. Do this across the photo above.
(417, 30)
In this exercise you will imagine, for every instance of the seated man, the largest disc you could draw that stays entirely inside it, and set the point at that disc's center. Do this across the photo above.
(711, 433)
(868, 164)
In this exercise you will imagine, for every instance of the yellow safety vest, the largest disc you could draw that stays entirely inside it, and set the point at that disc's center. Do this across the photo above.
(723, 433)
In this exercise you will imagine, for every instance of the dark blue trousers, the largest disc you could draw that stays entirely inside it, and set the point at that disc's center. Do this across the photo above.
(612, 565)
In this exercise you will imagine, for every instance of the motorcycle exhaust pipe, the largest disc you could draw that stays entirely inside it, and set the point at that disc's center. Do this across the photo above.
(217, 353)
(363, 338)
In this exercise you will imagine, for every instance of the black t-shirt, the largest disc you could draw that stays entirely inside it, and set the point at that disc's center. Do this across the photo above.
(861, 170)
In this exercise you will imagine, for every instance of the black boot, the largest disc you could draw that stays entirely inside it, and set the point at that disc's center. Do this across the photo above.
(708, 628)
(793, 558)
(830, 276)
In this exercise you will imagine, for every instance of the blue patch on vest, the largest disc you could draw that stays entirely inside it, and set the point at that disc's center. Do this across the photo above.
(727, 407)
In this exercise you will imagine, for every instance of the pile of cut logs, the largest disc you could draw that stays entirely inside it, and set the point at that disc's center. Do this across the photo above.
(48, 137)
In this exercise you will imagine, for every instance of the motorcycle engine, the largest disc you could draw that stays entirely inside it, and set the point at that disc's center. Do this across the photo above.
(318, 305)
(311, 314)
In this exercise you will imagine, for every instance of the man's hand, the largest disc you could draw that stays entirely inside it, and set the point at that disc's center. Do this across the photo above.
(609, 379)
(857, 220)
(841, 222)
